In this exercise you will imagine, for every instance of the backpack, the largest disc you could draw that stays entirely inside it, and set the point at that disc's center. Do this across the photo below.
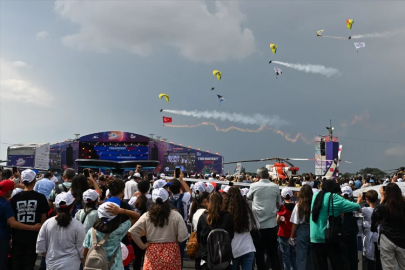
(78, 205)
(97, 256)
(59, 191)
(178, 204)
(219, 249)
(192, 245)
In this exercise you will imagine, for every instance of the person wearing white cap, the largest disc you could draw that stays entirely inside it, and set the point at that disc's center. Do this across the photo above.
(88, 215)
(198, 205)
(131, 187)
(285, 227)
(61, 238)
(164, 230)
(163, 176)
(30, 207)
(108, 226)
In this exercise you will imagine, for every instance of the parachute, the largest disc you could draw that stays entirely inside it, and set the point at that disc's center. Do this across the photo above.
(349, 23)
(273, 48)
(218, 74)
(319, 33)
(277, 71)
(164, 95)
(220, 99)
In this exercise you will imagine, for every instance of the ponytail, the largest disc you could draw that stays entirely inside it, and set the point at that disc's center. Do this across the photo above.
(64, 217)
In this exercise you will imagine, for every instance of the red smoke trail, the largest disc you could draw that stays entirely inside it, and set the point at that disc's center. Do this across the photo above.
(286, 136)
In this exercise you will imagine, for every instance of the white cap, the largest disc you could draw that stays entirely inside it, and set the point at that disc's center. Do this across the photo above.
(347, 190)
(64, 200)
(160, 193)
(351, 182)
(245, 191)
(28, 176)
(209, 187)
(90, 195)
(200, 186)
(162, 176)
(225, 189)
(137, 175)
(285, 192)
(102, 213)
(160, 184)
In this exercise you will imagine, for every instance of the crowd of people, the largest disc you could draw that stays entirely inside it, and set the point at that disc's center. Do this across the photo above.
(108, 222)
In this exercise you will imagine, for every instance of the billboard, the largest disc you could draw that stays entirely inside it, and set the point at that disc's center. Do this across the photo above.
(184, 161)
(55, 161)
(21, 160)
(42, 157)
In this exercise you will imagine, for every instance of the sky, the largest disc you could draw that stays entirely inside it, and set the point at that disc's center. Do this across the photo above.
(82, 67)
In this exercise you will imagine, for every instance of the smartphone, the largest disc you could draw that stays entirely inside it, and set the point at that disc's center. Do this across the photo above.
(364, 196)
(177, 172)
(86, 173)
(14, 170)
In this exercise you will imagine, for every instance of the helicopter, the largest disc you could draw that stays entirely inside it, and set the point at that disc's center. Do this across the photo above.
(283, 168)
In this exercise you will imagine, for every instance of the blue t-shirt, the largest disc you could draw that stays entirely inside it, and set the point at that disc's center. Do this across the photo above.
(6, 212)
(358, 184)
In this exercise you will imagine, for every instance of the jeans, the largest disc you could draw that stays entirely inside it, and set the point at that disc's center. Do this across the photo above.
(4, 250)
(24, 255)
(246, 261)
(43, 263)
(268, 242)
(323, 251)
(182, 246)
(288, 253)
(349, 252)
(304, 248)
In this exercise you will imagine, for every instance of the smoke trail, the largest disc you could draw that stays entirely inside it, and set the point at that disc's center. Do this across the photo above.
(357, 119)
(309, 68)
(344, 38)
(381, 34)
(256, 119)
(286, 136)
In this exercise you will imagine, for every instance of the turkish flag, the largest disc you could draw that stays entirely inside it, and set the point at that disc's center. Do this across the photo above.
(167, 119)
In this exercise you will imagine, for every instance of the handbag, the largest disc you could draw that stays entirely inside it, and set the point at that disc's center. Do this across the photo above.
(334, 226)
(255, 232)
(192, 245)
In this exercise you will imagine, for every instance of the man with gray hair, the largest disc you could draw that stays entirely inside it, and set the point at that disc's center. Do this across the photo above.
(266, 199)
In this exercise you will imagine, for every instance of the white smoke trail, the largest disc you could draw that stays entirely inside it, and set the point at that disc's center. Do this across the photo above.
(309, 68)
(256, 119)
(381, 34)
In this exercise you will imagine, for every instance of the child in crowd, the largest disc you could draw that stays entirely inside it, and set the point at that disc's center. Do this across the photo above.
(370, 239)
(284, 231)
(89, 214)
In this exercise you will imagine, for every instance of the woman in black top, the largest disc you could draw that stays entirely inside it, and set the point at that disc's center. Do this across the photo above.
(213, 218)
(390, 215)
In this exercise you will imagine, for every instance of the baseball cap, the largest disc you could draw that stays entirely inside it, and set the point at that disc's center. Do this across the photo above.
(162, 176)
(286, 193)
(28, 176)
(351, 182)
(64, 200)
(160, 193)
(136, 175)
(90, 195)
(102, 212)
(200, 186)
(347, 191)
(209, 187)
(6, 186)
(225, 189)
(161, 183)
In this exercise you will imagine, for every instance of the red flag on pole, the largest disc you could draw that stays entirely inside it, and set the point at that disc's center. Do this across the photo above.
(167, 119)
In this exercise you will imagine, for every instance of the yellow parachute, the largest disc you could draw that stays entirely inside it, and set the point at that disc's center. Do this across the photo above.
(218, 74)
(273, 48)
(349, 23)
(164, 95)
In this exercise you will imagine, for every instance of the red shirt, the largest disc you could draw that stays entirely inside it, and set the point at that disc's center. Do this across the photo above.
(285, 226)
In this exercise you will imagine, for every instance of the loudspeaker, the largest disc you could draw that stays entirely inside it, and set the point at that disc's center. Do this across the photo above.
(69, 156)
(154, 153)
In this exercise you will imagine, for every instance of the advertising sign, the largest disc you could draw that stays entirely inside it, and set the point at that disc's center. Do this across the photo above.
(42, 157)
(21, 160)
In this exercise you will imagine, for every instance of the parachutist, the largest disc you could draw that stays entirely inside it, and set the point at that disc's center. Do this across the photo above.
(212, 88)
(350, 37)
(161, 110)
(270, 62)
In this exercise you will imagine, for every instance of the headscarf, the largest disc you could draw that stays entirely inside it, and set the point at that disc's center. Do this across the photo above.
(327, 186)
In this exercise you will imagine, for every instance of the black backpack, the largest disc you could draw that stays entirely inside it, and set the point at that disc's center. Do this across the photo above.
(219, 249)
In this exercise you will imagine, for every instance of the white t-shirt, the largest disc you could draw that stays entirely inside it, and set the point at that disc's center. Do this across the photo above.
(54, 179)
(130, 188)
(295, 217)
(242, 243)
(186, 202)
(196, 217)
(367, 213)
